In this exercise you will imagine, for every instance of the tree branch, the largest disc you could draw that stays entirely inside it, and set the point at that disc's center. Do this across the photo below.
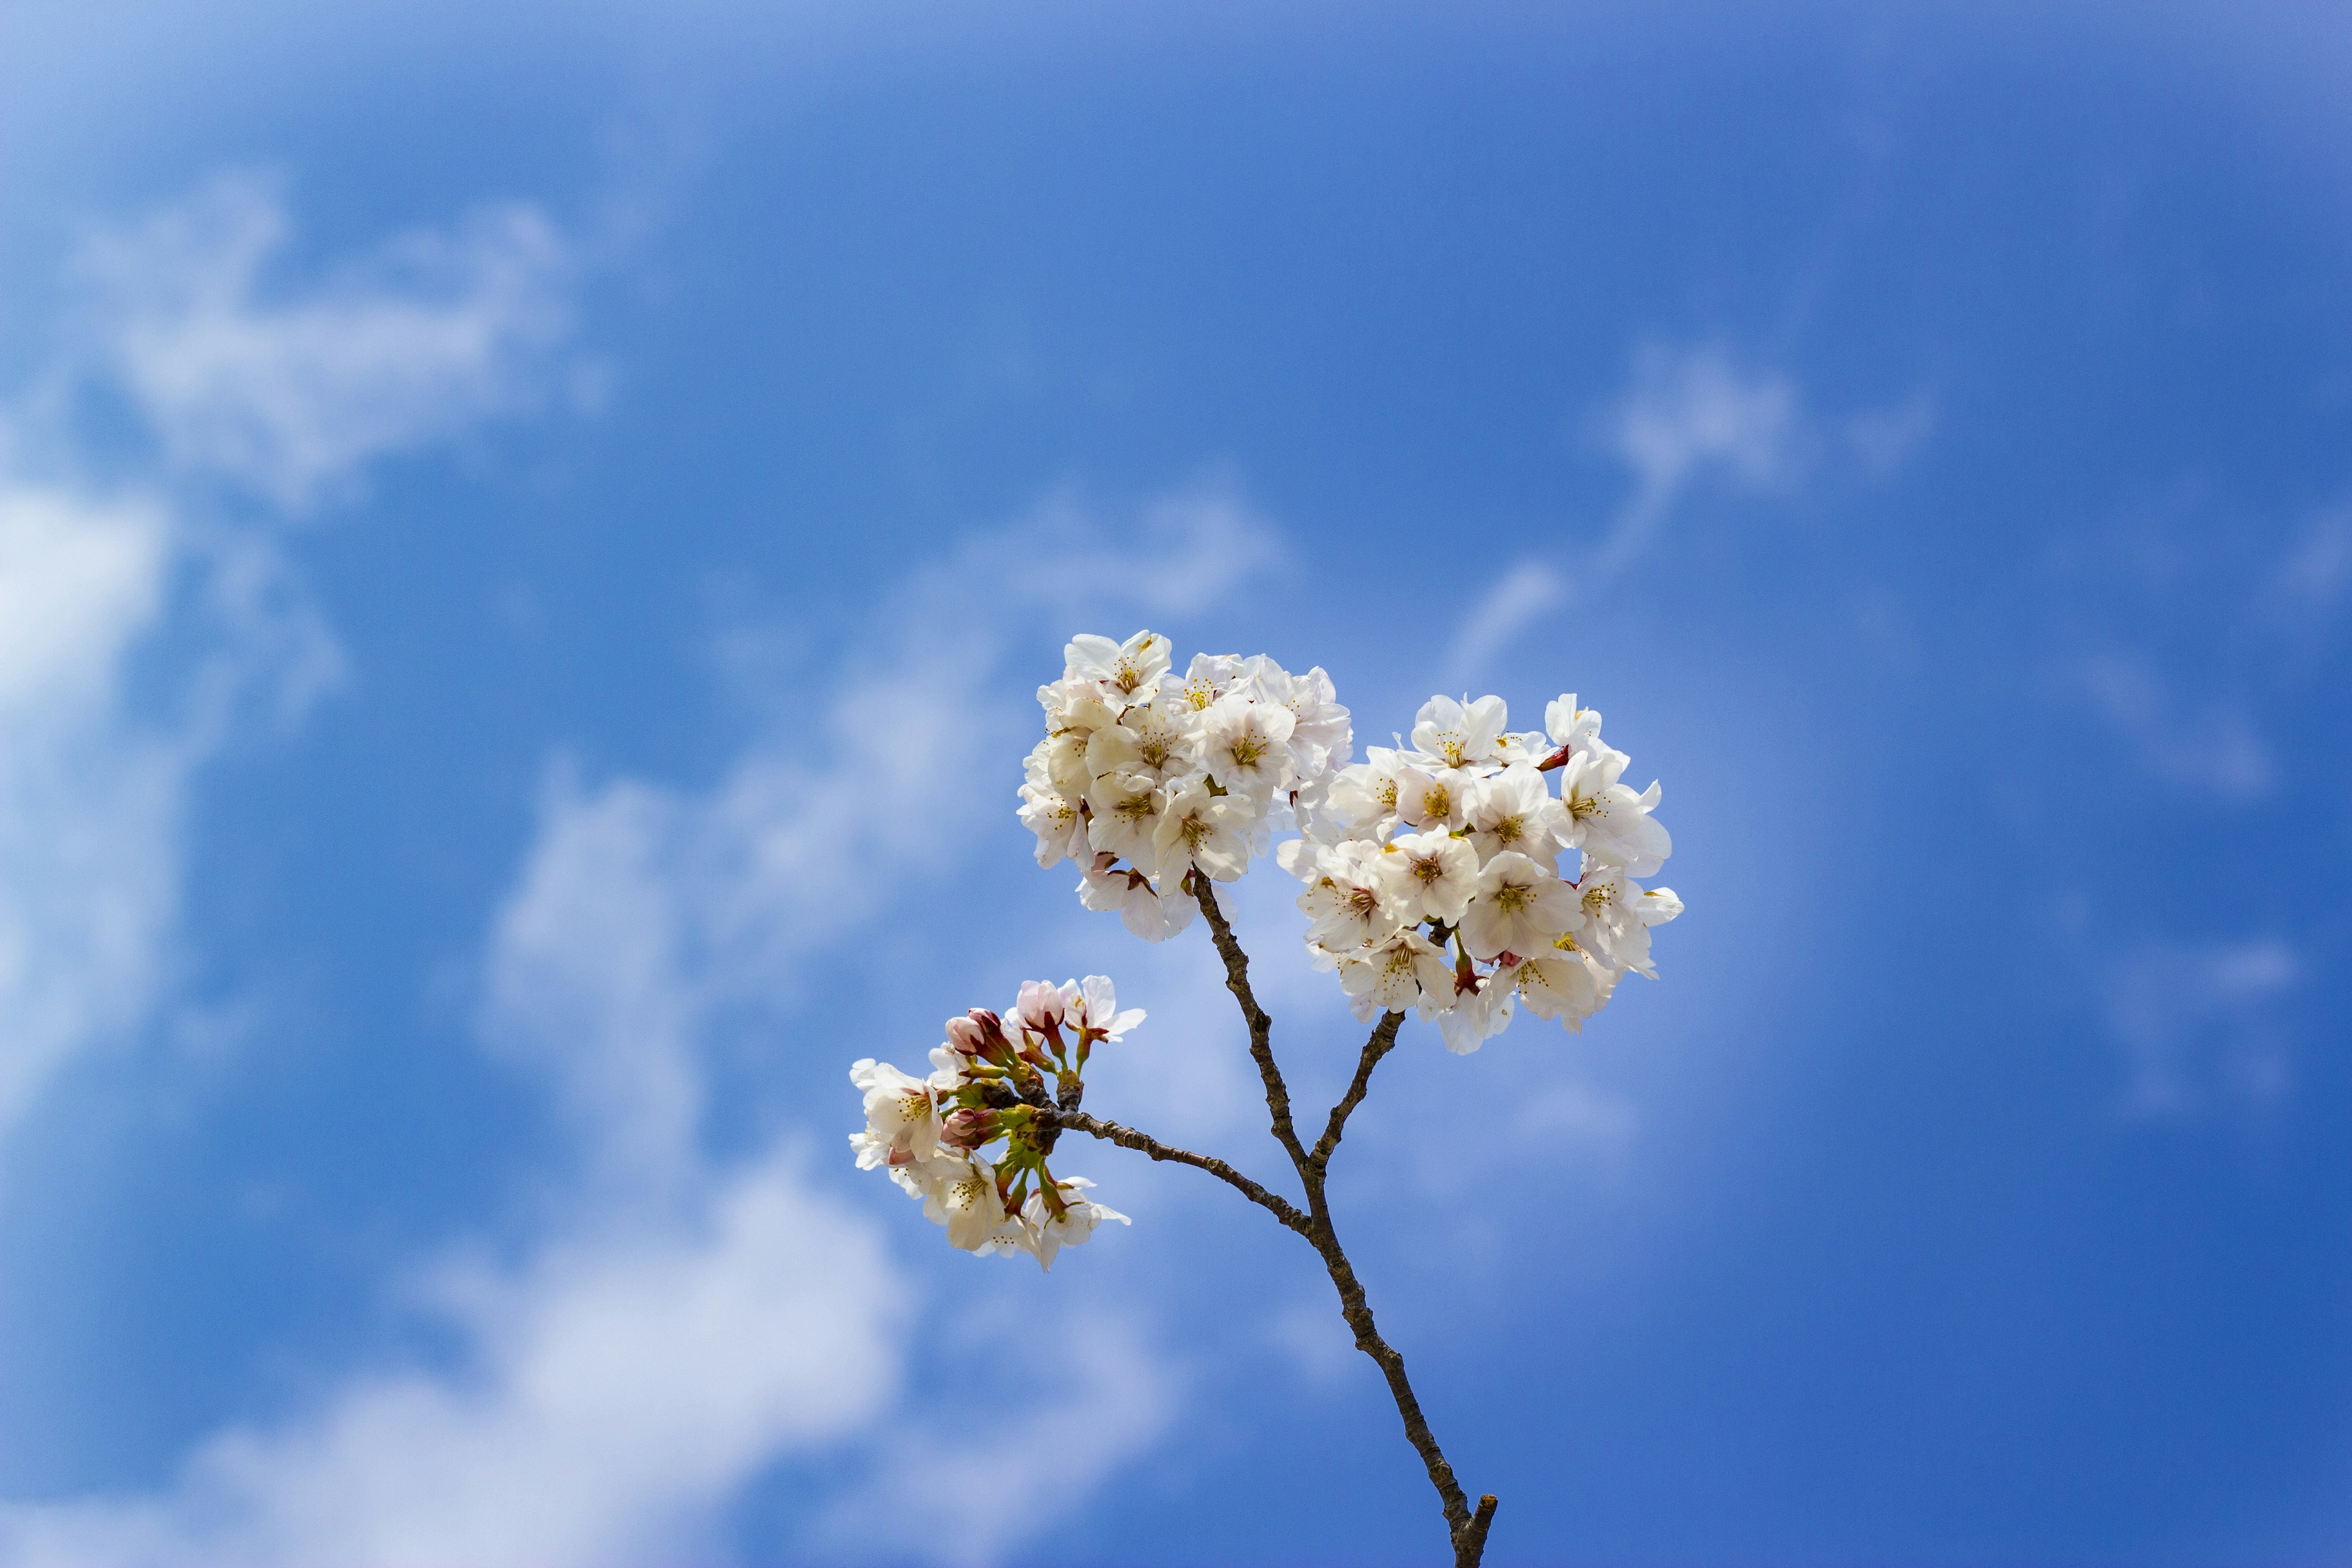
(1282, 1208)
(1467, 1531)
(1384, 1041)
(1260, 1027)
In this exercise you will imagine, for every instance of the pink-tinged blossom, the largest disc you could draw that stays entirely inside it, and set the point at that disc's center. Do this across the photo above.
(1092, 1005)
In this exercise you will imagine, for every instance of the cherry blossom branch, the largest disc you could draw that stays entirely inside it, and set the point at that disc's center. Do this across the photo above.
(1466, 1530)
(1384, 1041)
(1282, 1208)
(1261, 1027)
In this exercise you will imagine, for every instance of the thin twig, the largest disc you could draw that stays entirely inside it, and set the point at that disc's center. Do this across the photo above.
(1384, 1041)
(1467, 1531)
(1282, 1208)
(1260, 1027)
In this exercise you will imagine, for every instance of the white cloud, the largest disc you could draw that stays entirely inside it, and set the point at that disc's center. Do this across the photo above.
(2206, 743)
(934, 1499)
(682, 1322)
(2199, 1021)
(94, 780)
(1690, 415)
(89, 800)
(291, 392)
(618, 1388)
(1520, 596)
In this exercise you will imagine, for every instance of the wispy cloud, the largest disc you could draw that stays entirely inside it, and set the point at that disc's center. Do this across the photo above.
(682, 1320)
(1521, 596)
(291, 390)
(2205, 743)
(1692, 416)
(2199, 1022)
(290, 397)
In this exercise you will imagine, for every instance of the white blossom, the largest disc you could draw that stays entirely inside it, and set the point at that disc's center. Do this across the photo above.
(1058, 819)
(1128, 672)
(1092, 1005)
(1430, 876)
(963, 1196)
(1606, 819)
(1346, 902)
(1125, 810)
(1206, 830)
(1396, 974)
(1106, 885)
(1363, 795)
(1512, 810)
(1165, 735)
(1456, 734)
(1570, 728)
(1047, 1234)
(1478, 1017)
(1618, 917)
(1436, 799)
(902, 1116)
(1245, 746)
(1321, 732)
(1563, 984)
(1517, 907)
(1212, 675)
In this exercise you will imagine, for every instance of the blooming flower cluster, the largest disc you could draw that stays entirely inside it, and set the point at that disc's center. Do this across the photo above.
(1143, 776)
(1433, 879)
(990, 1080)
(1433, 874)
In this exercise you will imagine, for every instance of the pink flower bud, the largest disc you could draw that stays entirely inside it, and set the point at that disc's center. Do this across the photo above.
(968, 1129)
(1040, 1005)
(966, 1038)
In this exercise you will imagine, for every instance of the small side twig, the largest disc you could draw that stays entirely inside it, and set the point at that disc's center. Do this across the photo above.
(1384, 1041)
(1275, 1203)
(1472, 1544)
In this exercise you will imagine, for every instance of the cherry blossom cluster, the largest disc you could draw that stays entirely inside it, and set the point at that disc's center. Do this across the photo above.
(1433, 879)
(1142, 776)
(991, 1077)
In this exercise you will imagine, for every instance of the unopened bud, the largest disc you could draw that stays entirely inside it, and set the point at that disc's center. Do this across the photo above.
(969, 1129)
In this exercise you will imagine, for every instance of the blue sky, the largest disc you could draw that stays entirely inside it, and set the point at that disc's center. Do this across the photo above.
(526, 536)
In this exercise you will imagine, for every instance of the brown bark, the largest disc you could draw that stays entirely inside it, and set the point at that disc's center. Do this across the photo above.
(1466, 1530)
